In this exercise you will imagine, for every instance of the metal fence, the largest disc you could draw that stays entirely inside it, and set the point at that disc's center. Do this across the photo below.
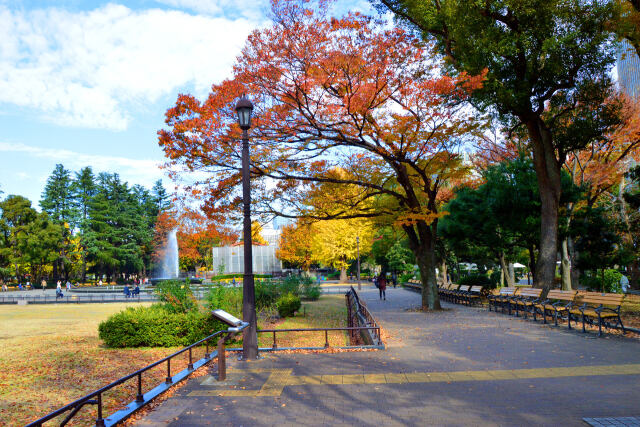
(363, 327)
(95, 397)
(360, 323)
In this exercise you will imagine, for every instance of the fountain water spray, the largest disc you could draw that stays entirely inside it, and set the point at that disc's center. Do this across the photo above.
(170, 265)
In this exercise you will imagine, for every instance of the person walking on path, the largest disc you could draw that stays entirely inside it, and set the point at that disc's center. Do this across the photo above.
(58, 290)
(44, 285)
(382, 286)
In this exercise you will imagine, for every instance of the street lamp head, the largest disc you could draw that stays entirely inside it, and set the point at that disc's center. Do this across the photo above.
(244, 108)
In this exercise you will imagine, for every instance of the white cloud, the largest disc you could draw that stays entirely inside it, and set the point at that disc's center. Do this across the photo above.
(136, 171)
(92, 69)
(251, 9)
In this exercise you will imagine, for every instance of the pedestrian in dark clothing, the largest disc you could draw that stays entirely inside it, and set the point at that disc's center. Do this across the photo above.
(382, 286)
(394, 278)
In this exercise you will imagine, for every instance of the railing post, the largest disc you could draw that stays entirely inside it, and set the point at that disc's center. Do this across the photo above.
(206, 352)
(100, 420)
(139, 397)
(222, 361)
(326, 338)
(190, 365)
(274, 340)
(168, 380)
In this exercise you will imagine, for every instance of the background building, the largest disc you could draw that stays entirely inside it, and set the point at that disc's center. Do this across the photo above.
(628, 65)
(230, 259)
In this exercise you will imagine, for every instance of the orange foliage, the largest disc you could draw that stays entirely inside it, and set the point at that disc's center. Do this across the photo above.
(295, 245)
(330, 93)
(602, 164)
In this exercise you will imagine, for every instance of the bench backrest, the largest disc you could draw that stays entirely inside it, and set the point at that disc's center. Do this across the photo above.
(464, 288)
(476, 289)
(557, 294)
(597, 298)
(508, 291)
(530, 292)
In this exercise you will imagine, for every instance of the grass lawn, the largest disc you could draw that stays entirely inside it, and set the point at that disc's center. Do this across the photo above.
(50, 355)
(330, 311)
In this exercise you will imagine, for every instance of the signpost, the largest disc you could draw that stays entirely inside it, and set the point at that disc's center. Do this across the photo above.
(235, 326)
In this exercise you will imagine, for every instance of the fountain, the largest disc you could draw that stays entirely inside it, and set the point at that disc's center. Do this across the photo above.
(170, 268)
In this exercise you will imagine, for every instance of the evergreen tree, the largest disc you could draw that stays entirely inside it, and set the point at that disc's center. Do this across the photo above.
(57, 201)
(83, 189)
(17, 214)
(57, 197)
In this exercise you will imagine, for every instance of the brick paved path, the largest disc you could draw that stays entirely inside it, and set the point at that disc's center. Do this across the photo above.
(461, 366)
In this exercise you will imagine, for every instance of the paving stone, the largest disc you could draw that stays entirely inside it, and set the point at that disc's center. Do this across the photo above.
(461, 366)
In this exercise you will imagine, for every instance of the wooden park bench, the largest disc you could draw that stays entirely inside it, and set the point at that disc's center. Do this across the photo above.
(473, 296)
(558, 303)
(443, 289)
(525, 300)
(458, 296)
(605, 308)
(449, 292)
(502, 298)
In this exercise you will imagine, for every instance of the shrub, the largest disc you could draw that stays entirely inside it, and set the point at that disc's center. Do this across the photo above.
(611, 282)
(404, 278)
(476, 280)
(290, 285)
(310, 290)
(155, 326)
(176, 295)
(288, 304)
(495, 278)
(266, 293)
(226, 298)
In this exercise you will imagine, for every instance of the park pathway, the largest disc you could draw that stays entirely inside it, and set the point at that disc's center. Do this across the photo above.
(461, 366)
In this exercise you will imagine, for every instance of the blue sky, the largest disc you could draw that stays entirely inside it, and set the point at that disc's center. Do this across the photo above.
(86, 83)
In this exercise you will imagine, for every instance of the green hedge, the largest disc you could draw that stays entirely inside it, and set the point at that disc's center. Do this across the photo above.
(477, 280)
(156, 327)
(288, 304)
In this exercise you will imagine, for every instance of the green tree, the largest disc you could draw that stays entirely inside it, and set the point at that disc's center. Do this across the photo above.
(596, 240)
(118, 229)
(17, 214)
(544, 59)
(83, 189)
(40, 243)
(57, 201)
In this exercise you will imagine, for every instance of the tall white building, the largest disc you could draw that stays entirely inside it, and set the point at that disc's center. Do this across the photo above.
(628, 65)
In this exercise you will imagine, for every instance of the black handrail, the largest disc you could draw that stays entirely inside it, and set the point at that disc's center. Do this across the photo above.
(353, 299)
(98, 393)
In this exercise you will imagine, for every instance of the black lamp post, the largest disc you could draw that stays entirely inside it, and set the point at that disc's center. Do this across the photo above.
(244, 108)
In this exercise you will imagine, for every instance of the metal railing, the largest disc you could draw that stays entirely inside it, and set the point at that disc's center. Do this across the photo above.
(95, 397)
(83, 298)
(351, 330)
(360, 318)
(359, 321)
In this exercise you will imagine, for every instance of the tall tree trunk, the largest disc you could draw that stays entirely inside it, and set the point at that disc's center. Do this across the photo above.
(505, 271)
(575, 271)
(501, 277)
(512, 273)
(566, 266)
(343, 274)
(532, 262)
(548, 174)
(422, 244)
(443, 269)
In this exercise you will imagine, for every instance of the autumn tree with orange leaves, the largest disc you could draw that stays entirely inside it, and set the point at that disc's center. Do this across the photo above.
(330, 93)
